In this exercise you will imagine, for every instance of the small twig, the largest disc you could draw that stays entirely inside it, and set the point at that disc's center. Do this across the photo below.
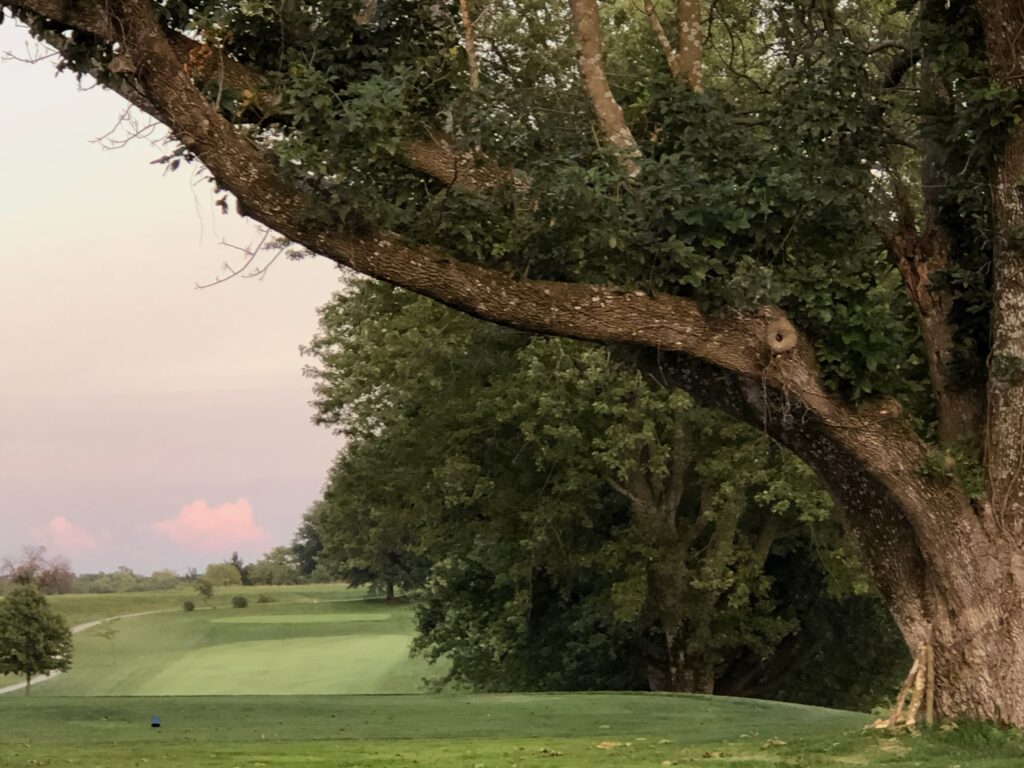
(251, 252)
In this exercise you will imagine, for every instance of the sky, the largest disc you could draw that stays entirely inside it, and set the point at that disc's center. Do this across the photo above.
(143, 422)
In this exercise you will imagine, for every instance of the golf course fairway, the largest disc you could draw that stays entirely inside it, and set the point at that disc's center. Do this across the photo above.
(322, 646)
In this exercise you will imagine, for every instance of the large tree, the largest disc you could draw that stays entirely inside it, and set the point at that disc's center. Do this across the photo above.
(582, 528)
(731, 195)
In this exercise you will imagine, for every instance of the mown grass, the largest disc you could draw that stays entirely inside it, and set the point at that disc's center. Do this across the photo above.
(479, 731)
(398, 730)
(98, 657)
(78, 609)
(311, 645)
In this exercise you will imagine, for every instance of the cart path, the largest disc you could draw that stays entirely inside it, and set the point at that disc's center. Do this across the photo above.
(75, 630)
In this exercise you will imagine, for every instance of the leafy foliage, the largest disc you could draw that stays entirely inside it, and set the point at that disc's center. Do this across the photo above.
(278, 566)
(34, 640)
(535, 482)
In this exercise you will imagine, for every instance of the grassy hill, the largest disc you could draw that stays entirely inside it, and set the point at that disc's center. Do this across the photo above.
(441, 730)
(485, 731)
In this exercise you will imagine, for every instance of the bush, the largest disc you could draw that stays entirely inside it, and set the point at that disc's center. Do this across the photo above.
(239, 602)
(188, 605)
(264, 599)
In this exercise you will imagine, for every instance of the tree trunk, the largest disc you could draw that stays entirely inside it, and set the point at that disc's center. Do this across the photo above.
(28, 684)
(679, 672)
(979, 651)
(693, 674)
(389, 594)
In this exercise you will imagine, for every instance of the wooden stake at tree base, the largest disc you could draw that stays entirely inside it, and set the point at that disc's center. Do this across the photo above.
(920, 679)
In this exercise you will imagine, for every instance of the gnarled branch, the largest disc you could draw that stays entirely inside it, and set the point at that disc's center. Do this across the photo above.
(256, 100)
(920, 256)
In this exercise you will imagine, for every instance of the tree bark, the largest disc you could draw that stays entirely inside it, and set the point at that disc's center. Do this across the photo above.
(690, 51)
(586, 25)
(920, 253)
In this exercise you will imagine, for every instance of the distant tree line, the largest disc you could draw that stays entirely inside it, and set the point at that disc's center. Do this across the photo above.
(566, 524)
(53, 575)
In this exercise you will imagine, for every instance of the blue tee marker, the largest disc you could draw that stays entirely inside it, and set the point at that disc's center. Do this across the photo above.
(154, 722)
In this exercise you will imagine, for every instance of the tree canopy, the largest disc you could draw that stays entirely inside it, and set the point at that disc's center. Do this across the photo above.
(570, 524)
(805, 213)
(33, 639)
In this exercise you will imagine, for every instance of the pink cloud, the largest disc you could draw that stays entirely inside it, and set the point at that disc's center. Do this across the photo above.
(64, 537)
(199, 527)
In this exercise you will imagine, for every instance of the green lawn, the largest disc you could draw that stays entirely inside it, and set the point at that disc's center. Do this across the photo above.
(319, 641)
(496, 731)
(319, 644)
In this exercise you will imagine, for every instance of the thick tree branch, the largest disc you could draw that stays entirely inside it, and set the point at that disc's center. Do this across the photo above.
(469, 35)
(680, 464)
(920, 256)
(685, 64)
(253, 99)
(690, 51)
(771, 528)
(671, 57)
(586, 28)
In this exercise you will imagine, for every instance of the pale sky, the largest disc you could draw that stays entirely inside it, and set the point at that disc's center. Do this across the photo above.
(142, 422)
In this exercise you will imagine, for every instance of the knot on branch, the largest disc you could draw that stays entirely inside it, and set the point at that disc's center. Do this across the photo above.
(780, 336)
(122, 64)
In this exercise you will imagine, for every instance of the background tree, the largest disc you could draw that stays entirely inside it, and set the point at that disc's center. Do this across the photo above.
(124, 579)
(368, 527)
(33, 639)
(584, 529)
(806, 216)
(307, 546)
(204, 587)
(242, 568)
(278, 566)
(222, 575)
(52, 575)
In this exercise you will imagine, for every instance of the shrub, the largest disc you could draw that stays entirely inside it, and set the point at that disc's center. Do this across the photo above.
(188, 605)
(239, 602)
(264, 599)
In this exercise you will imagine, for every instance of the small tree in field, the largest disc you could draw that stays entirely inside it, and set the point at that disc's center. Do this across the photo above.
(33, 639)
(205, 588)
